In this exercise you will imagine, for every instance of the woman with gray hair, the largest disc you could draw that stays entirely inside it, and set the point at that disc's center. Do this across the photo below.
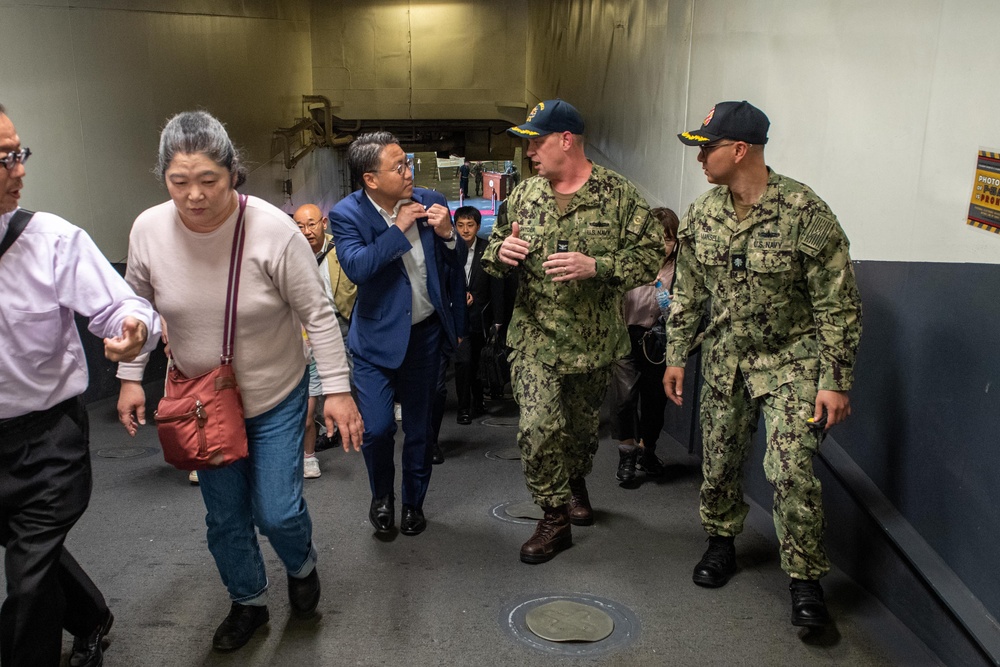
(179, 259)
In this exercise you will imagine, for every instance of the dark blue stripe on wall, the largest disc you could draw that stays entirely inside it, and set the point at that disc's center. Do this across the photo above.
(924, 430)
(926, 400)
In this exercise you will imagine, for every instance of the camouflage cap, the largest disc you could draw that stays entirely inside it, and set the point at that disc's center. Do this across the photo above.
(740, 121)
(548, 117)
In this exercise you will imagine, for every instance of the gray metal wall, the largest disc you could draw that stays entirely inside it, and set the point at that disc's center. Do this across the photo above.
(923, 434)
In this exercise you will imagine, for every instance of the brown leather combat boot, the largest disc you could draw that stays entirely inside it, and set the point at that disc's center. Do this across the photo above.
(580, 511)
(552, 535)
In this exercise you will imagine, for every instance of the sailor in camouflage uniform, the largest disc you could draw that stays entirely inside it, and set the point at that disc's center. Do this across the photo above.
(581, 236)
(771, 260)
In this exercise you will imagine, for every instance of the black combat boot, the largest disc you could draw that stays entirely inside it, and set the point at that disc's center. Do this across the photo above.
(626, 464)
(718, 564)
(808, 608)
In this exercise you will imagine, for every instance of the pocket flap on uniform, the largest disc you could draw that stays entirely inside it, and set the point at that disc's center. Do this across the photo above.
(712, 254)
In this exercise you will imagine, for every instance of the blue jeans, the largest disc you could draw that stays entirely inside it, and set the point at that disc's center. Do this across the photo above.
(262, 490)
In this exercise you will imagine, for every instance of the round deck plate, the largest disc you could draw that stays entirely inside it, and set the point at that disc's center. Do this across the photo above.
(510, 454)
(569, 621)
(500, 422)
(625, 625)
(525, 510)
(500, 512)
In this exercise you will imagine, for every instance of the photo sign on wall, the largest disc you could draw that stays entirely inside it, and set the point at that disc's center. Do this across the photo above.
(984, 209)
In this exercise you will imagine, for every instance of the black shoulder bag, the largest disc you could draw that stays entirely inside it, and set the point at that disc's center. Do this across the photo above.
(14, 229)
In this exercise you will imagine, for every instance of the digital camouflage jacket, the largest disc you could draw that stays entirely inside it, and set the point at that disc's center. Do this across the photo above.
(783, 301)
(577, 326)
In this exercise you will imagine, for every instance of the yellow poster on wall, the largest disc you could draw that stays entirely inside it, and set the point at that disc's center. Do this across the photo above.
(984, 209)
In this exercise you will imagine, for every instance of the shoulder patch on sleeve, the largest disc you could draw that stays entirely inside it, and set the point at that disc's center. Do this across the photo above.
(816, 233)
(636, 225)
(685, 230)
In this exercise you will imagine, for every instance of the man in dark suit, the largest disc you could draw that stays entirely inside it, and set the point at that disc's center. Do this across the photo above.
(479, 300)
(396, 243)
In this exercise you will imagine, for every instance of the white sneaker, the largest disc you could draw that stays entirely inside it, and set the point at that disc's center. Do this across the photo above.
(193, 476)
(311, 470)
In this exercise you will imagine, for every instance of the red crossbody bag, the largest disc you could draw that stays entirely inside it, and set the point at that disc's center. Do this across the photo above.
(200, 420)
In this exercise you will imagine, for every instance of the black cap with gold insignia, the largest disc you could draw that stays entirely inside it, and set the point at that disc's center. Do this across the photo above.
(548, 117)
(739, 121)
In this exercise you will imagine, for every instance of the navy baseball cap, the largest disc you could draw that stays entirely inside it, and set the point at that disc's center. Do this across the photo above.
(548, 117)
(739, 121)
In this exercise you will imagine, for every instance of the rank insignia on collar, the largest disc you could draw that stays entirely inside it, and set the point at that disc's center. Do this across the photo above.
(739, 262)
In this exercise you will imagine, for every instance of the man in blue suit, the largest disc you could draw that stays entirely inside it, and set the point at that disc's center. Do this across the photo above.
(398, 245)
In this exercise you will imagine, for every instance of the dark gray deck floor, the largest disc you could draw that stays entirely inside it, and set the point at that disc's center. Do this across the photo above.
(442, 598)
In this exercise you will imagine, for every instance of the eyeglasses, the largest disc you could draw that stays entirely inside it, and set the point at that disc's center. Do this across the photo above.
(708, 148)
(400, 168)
(10, 159)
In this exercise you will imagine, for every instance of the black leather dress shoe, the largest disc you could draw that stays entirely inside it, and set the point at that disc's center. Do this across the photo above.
(437, 456)
(718, 564)
(237, 628)
(808, 607)
(464, 418)
(89, 651)
(303, 594)
(382, 514)
(412, 521)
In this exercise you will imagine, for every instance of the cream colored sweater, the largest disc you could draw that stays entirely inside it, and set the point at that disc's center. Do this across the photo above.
(184, 275)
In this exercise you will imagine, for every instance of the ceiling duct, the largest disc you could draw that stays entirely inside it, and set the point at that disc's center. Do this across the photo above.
(318, 130)
(327, 125)
(293, 147)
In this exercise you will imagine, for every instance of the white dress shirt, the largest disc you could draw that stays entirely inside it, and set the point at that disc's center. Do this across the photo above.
(53, 270)
(414, 261)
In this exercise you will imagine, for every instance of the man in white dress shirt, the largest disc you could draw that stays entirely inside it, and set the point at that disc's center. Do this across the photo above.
(48, 272)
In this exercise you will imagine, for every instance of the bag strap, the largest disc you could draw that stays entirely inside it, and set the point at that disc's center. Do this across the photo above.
(17, 224)
(233, 289)
(322, 255)
(651, 334)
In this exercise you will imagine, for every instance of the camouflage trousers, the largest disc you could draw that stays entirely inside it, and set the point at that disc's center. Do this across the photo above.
(557, 432)
(728, 422)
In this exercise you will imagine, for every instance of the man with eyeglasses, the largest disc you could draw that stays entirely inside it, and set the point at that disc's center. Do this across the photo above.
(341, 292)
(580, 237)
(767, 256)
(398, 245)
(50, 269)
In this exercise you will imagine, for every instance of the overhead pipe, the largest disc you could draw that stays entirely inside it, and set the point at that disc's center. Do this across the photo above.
(327, 114)
(285, 135)
(329, 139)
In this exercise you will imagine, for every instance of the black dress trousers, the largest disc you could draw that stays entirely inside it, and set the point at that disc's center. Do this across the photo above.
(45, 484)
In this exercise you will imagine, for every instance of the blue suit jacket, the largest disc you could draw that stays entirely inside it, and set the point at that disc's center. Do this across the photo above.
(370, 253)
